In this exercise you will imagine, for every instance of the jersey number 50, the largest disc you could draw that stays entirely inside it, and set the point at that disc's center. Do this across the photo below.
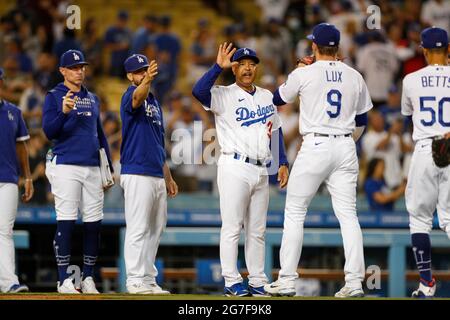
(334, 98)
(432, 111)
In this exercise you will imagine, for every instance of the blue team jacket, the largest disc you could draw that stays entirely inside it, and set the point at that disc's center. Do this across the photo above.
(78, 135)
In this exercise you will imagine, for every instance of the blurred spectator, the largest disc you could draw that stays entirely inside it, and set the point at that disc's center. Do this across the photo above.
(111, 127)
(15, 81)
(378, 63)
(145, 34)
(31, 103)
(379, 196)
(168, 48)
(342, 13)
(92, 45)
(31, 43)
(243, 37)
(203, 51)
(186, 148)
(118, 40)
(14, 50)
(47, 75)
(37, 150)
(416, 61)
(272, 9)
(387, 145)
(276, 51)
(436, 13)
(391, 111)
(68, 42)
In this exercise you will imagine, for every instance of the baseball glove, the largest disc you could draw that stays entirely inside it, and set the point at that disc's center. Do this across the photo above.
(441, 151)
(306, 60)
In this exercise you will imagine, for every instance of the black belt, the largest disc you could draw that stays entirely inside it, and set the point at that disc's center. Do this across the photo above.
(332, 135)
(237, 156)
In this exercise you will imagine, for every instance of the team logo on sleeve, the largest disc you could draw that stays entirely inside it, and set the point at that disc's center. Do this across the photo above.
(248, 117)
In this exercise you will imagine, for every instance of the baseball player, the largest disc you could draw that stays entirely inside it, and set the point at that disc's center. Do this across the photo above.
(71, 120)
(426, 97)
(145, 176)
(246, 120)
(13, 151)
(333, 100)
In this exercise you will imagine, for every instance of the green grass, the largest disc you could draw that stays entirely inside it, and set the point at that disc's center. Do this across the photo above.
(185, 297)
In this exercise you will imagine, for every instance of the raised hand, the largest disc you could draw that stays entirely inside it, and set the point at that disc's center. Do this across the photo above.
(69, 102)
(152, 71)
(225, 54)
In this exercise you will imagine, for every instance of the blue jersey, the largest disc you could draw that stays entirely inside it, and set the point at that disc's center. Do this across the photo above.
(372, 186)
(12, 129)
(142, 150)
(78, 135)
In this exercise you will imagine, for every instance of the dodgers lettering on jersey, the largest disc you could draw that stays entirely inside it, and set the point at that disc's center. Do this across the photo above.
(331, 95)
(12, 129)
(142, 150)
(244, 122)
(426, 97)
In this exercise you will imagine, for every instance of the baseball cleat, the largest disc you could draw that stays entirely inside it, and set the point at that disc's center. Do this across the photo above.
(347, 292)
(67, 287)
(143, 288)
(88, 286)
(155, 289)
(16, 288)
(281, 288)
(258, 291)
(236, 290)
(426, 289)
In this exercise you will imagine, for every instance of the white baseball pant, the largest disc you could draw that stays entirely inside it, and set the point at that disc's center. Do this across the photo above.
(333, 160)
(76, 187)
(9, 202)
(428, 189)
(244, 199)
(146, 218)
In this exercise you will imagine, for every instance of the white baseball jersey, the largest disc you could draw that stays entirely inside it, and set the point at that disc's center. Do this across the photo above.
(329, 111)
(244, 121)
(426, 97)
(378, 62)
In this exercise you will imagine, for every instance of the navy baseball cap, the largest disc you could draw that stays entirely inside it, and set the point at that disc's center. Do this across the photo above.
(325, 34)
(434, 37)
(135, 62)
(72, 58)
(245, 53)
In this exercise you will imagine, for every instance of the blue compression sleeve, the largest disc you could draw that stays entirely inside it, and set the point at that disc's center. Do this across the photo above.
(202, 89)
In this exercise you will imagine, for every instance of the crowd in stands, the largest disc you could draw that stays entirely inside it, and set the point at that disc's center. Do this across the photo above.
(33, 35)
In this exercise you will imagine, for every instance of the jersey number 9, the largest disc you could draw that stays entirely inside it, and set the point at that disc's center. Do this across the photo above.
(334, 98)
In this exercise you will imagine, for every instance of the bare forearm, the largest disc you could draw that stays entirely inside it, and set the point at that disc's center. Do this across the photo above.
(166, 171)
(22, 155)
(141, 93)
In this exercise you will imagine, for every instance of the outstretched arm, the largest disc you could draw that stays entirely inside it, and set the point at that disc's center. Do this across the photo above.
(142, 90)
(202, 89)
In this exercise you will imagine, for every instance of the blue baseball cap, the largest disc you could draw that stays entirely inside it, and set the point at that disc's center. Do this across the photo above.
(434, 37)
(72, 58)
(135, 62)
(325, 34)
(245, 53)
